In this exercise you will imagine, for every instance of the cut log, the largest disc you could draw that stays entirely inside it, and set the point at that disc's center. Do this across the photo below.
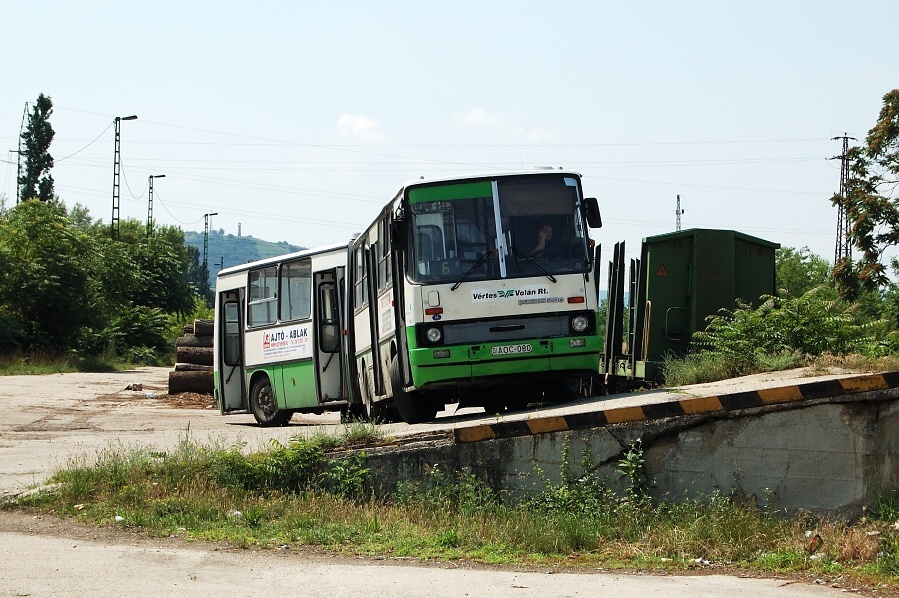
(190, 382)
(203, 327)
(195, 355)
(188, 329)
(189, 340)
(192, 367)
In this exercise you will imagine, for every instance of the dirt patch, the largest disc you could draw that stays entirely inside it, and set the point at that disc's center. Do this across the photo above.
(158, 394)
(188, 400)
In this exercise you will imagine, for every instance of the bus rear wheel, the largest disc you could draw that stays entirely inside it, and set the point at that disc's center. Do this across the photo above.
(262, 404)
(565, 391)
(377, 412)
(413, 409)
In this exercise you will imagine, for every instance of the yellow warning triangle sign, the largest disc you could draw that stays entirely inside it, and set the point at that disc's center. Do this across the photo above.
(662, 271)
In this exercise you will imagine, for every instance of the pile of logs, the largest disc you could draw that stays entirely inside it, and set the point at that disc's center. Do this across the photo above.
(193, 357)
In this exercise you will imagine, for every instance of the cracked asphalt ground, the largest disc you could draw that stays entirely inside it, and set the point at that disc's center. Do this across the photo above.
(50, 420)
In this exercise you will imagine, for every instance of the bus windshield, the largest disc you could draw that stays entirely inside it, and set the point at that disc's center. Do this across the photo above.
(507, 228)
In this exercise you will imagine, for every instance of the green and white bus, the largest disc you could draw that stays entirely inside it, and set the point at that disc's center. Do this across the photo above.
(279, 336)
(480, 290)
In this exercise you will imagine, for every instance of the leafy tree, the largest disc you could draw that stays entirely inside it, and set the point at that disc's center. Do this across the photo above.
(36, 181)
(141, 282)
(197, 275)
(45, 290)
(68, 286)
(870, 202)
(800, 270)
(161, 267)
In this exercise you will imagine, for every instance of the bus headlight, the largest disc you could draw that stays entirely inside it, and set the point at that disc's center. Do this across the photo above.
(579, 323)
(434, 335)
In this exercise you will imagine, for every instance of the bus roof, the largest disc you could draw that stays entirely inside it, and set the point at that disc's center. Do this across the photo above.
(287, 256)
(486, 175)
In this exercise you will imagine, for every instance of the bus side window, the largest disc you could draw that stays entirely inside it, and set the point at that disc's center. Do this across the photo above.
(296, 291)
(262, 308)
(385, 273)
(360, 299)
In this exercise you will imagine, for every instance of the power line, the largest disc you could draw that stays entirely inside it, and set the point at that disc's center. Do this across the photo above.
(86, 146)
(756, 190)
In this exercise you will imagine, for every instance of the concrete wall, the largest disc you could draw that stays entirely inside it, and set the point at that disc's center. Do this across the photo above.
(830, 455)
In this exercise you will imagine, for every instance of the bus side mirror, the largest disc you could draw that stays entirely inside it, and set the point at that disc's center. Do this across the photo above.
(591, 210)
(397, 235)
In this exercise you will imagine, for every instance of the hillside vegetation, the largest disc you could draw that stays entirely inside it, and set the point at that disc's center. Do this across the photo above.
(232, 250)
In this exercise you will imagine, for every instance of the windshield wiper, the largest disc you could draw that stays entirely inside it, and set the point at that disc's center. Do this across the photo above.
(480, 261)
(535, 265)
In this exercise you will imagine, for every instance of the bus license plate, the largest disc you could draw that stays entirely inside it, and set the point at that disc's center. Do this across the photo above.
(511, 349)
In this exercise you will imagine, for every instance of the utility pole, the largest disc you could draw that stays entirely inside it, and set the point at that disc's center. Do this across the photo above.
(116, 173)
(150, 205)
(21, 153)
(678, 211)
(206, 250)
(843, 248)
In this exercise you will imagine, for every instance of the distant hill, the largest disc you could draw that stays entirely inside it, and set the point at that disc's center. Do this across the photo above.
(232, 250)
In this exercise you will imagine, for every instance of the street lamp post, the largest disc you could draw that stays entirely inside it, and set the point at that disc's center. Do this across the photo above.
(116, 166)
(150, 204)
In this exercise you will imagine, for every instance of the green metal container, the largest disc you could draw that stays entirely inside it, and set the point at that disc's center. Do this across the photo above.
(680, 280)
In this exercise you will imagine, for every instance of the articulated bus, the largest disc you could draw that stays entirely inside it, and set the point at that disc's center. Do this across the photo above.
(481, 290)
(478, 290)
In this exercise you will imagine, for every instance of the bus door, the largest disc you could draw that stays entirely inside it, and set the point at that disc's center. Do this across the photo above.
(371, 262)
(329, 331)
(231, 364)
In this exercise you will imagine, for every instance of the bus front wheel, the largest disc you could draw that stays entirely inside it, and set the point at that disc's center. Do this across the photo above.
(264, 408)
(413, 409)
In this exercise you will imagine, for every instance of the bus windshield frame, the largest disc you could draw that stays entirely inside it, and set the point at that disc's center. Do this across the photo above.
(509, 227)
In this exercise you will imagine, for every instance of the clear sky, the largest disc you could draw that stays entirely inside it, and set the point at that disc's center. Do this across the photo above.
(299, 120)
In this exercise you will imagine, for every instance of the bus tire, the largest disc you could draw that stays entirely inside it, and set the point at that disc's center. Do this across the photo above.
(565, 391)
(262, 404)
(354, 412)
(368, 408)
(413, 410)
(494, 406)
(494, 400)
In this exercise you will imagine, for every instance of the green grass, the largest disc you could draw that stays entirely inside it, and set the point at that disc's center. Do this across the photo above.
(300, 494)
(45, 363)
(708, 366)
(39, 363)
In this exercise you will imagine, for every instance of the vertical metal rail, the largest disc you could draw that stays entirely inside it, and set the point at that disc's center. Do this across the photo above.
(638, 315)
(615, 312)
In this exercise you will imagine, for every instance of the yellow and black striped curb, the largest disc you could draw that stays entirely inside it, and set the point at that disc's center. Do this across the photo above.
(688, 406)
